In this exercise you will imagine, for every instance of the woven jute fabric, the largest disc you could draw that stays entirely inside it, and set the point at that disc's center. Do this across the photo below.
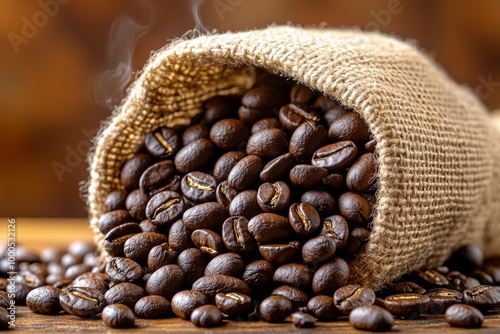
(438, 150)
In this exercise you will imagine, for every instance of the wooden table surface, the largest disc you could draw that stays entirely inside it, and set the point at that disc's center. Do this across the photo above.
(35, 234)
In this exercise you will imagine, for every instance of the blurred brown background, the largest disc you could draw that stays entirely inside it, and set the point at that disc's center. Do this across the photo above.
(60, 74)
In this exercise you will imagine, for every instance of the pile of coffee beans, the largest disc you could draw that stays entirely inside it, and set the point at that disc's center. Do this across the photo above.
(252, 212)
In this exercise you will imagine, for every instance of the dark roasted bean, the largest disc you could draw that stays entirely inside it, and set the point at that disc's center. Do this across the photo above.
(466, 259)
(118, 316)
(114, 201)
(112, 219)
(482, 277)
(115, 238)
(278, 168)
(482, 297)
(236, 236)
(280, 253)
(206, 316)
(301, 94)
(274, 197)
(357, 239)
(208, 216)
(371, 318)
(219, 107)
(151, 307)
(322, 201)
(194, 156)
(331, 276)
(298, 297)
(138, 246)
(361, 176)
(92, 282)
(179, 236)
(136, 204)
(224, 194)
(349, 126)
(245, 204)
(163, 142)
(270, 227)
(265, 123)
(233, 303)
(124, 293)
(195, 132)
(159, 177)
(336, 227)
(160, 256)
(334, 182)
(408, 287)
(30, 279)
(164, 208)
(166, 281)
(258, 274)
(186, 301)
(292, 115)
(132, 170)
(213, 284)
(371, 145)
(225, 163)
(463, 316)
(302, 320)
(307, 176)
(407, 305)
(349, 297)
(193, 263)
(82, 302)
(335, 157)
(259, 103)
(230, 264)
(304, 218)
(147, 226)
(275, 308)
(245, 173)
(228, 134)
(295, 274)
(208, 242)
(44, 300)
(306, 139)
(441, 299)
(323, 308)
(4, 319)
(432, 278)
(355, 208)
(267, 144)
(318, 249)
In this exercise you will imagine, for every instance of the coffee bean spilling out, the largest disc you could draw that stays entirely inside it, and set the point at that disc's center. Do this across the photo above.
(250, 213)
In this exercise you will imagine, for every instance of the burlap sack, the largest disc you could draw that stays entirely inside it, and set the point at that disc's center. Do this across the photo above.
(438, 152)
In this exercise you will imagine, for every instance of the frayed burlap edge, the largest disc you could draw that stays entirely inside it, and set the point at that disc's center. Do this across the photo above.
(437, 150)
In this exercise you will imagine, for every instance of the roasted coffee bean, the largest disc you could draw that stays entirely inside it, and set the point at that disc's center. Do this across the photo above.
(163, 142)
(323, 308)
(160, 256)
(318, 249)
(5, 300)
(136, 204)
(152, 307)
(186, 301)
(298, 297)
(357, 239)
(494, 272)
(213, 284)
(124, 293)
(407, 305)
(164, 208)
(349, 297)
(206, 316)
(132, 170)
(118, 316)
(245, 173)
(208, 216)
(275, 308)
(230, 264)
(112, 219)
(225, 163)
(432, 278)
(361, 176)
(441, 299)
(333, 113)
(295, 274)
(464, 316)
(114, 201)
(193, 263)
(331, 276)
(224, 194)
(20, 293)
(304, 218)
(482, 277)
(274, 197)
(115, 238)
(292, 116)
(466, 259)
(92, 282)
(147, 226)
(120, 269)
(219, 107)
(267, 144)
(334, 182)
(233, 303)
(236, 236)
(82, 302)
(159, 177)
(245, 204)
(280, 253)
(270, 227)
(199, 187)
(371, 318)
(461, 284)
(349, 126)
(30, 279)
(408, 287)
(194, 156)
(306, 139)
(4, 319)
(258, 274)
(336, 227)
(166, 281)
(483, 297)
(138, 246)
(76, 270)
(44, 300)
(179, 236)
(62, 284)
(228, 134)
(208, 242)
(307, 176)
(195, 132)
(335, 157)
(324, 103)
(302, 320)
(278, 168)
(301, 94)
(355, 208)
(259, 103)
(371, 145)
(265, 123)
(322, 201)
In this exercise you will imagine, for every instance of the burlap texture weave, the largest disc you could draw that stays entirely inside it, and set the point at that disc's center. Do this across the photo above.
(438, 151)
